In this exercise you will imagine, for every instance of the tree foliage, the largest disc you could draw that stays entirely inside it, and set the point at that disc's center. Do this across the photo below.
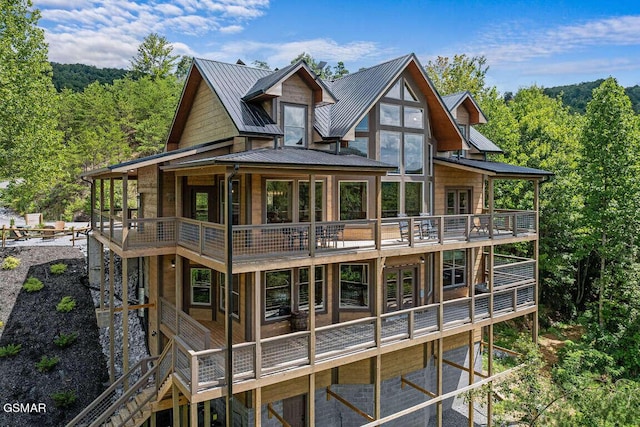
(154, 57)
(78, 76)
(29, 142)
(325, 72)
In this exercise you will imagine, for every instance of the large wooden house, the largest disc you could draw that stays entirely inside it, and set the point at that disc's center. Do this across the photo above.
(328, 252)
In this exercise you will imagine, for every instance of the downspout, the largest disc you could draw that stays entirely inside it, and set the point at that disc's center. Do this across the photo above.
(229, 297)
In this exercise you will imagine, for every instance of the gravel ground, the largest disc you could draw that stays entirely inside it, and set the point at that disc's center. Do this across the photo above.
(33, 322)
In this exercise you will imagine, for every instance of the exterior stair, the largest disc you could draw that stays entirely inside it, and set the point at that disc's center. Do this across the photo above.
(129, 405)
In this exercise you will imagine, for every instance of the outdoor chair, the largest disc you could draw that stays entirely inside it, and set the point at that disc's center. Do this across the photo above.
(33, 219)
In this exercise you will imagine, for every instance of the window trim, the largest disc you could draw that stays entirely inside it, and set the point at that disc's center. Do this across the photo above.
(305, 138)
(295, 189)
(366, 201)
(222, 286)
(366, 307)
(294, 287)
(453, 268)
(192, 302)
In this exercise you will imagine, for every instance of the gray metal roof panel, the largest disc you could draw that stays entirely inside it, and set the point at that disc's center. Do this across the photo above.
(451, 101)
(230, 82)
(294, 157)
(481, 142)
(265, 83)
(496, 167)
(357, 92)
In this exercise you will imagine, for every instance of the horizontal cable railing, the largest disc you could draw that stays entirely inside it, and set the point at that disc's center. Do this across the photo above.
(285, 351)
(456, 312)
(346, 337)
(510, 271)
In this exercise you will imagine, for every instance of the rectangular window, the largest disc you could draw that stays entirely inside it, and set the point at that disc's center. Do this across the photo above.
(200, 286)
(303, 289)
(353, 200)
(295, 129)
(279, 201)
(413, 198)
(359, 147)
(277, 294)
(354, 286)
(454, 268)
(235, 302)
(390, 148)
(390, 199)
(413, 154)
(413, 117)
(390, 115)
(303, 201)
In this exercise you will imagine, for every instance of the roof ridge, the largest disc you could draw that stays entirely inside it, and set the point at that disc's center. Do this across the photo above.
(373, 66)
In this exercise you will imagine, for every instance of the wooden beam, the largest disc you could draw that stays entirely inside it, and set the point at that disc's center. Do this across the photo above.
(404, 381)
(272, 413)
(112, 345)
(125, 318)
(348, 404)
(134, 307)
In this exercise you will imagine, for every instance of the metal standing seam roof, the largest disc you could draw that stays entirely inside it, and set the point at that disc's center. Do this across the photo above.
(496, 168)
(453, 100)
(293, 157)
(356, 93)
(481, 142)
(231, 82)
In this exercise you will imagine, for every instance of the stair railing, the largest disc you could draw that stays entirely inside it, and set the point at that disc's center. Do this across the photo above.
(100, 405)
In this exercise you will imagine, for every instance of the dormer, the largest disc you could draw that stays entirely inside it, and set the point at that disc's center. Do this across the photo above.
(271, 86)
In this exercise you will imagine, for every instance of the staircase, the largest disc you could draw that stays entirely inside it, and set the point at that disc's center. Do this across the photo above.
(122, 406)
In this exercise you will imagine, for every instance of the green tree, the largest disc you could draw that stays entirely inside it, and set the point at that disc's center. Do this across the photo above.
(325, 72)
(610, 143)
(459, 74)
(260, 64)
(29, 141)
(154, 57)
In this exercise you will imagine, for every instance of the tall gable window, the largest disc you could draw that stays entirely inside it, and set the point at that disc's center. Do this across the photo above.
(408, 94)
(389, 114)
(403, 141)
(394, 92)
(295, 126)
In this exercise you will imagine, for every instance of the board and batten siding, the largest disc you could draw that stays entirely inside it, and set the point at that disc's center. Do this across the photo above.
(446, 178)
(208, 120)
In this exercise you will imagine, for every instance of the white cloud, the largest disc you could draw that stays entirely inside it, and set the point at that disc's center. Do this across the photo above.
(510, 43)
(106, 32)
(279, 54)
(231, 29)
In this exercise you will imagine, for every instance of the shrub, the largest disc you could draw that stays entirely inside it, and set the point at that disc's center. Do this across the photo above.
(47, 363)
(10, 263)
(66, 304)
(32, 285)
(58, 268)
(64, 399)
(10, 350)
(65, 340)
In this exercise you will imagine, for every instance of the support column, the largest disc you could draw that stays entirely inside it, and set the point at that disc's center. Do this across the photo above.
(439, 356)
(490, 373)
(257, 321)
(112, 345)
(175, 404)
(257, 416)
(312, 219)
(471, 373)
(125, 318)
(536, 255)
(379, 287)
(378, 212)
(193, 413)
(125, 211)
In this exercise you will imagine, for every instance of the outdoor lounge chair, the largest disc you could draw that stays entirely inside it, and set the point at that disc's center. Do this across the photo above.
(33, 219)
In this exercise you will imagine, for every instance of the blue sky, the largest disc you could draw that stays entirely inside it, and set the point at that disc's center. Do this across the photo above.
(547, 43)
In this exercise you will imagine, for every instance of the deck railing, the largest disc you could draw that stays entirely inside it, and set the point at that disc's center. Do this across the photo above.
(205, 369)
(299, 239)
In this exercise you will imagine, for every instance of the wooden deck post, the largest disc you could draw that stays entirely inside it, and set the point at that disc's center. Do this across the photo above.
(439, 356)
(471, 373)
(125, 319)
(112, 345)
(312, 222)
